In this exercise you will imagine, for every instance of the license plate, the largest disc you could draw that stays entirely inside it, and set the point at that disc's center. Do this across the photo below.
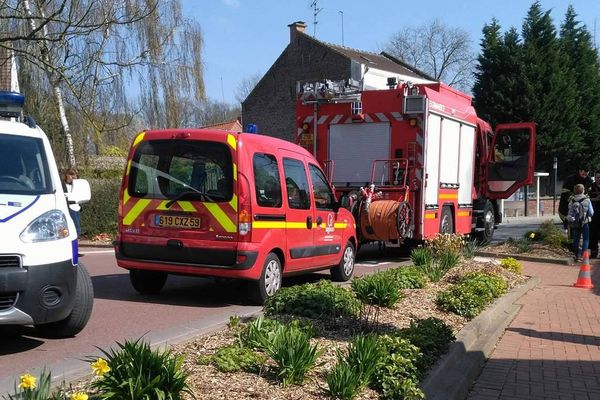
(177, 221)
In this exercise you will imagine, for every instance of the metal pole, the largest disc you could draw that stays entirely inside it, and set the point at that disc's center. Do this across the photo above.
(555, 168)
(526, 190)
(315, 107)
(537, 197)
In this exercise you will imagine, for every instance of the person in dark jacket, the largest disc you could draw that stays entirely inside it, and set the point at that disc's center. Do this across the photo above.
(580, 177)
(595, 224)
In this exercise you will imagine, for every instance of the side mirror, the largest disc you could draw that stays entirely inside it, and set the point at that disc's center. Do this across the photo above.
(344, 202)
(81, 192)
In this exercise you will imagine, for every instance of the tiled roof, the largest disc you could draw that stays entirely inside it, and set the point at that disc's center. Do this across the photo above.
(383, 60)
(231, 126)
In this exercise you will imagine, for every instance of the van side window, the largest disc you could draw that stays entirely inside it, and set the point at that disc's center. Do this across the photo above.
(321, 190)
(296, 184)
(266, 180)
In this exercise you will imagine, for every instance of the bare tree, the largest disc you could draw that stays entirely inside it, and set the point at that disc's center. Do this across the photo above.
(95, 52)
(441, 51)
(246, 86)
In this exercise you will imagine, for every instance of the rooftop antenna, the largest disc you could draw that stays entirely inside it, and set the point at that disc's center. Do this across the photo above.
(342, 14)
(316, 11)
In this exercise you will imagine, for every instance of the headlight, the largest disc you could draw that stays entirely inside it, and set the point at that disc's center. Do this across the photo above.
(48, 226)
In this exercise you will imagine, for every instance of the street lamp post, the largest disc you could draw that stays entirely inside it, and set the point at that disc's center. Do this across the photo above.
(555, 168)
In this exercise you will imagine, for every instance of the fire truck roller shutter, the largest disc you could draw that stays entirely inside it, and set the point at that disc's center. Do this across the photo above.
(432, 158)
(449, 145)
(353, 147)
(466, 166)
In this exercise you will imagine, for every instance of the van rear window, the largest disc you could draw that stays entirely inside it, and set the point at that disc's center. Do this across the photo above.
(182, 170)
(23, 166)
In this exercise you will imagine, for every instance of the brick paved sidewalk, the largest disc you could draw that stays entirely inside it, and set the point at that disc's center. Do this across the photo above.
(552, 348)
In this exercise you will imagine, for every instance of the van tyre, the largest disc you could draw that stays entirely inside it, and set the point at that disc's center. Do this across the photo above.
(344, 270)
(81, 312)
(269, 282)
(147, 282)
(446, 221)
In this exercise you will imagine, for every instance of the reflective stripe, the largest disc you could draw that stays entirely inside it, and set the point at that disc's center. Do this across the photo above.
(163, 205)
(135, 211)
(221, 217)
(295, 225)
(128, 167)
(186, 206)
(340, 225)
(231, 141)
(268, 224)
(449, 196)
(126, 196)
(463, 214)
(138, 139)
(234, 202)
(234, 171)
(430, 216)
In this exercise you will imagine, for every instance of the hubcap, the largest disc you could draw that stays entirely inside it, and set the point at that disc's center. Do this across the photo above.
(446, 224)
(272, 277)
(489, 222)
(348, 261)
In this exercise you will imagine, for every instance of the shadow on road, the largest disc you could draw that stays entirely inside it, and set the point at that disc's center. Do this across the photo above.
(16, 339)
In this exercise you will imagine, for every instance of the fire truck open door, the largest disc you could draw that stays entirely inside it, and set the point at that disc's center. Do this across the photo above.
(511, 161)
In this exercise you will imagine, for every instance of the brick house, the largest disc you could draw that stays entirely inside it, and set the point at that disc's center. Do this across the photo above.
(230, 126)
(8, 71)
(271, 103)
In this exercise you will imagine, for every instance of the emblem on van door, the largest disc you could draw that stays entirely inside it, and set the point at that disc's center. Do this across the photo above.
(329, 228)
(223, 237)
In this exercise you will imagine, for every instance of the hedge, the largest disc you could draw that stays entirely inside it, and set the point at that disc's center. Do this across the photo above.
(99, 215)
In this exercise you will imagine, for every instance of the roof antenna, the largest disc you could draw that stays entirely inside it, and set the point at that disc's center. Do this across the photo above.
(316, 10)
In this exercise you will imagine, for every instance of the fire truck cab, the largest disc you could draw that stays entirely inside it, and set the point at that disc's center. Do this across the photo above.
(413, 161)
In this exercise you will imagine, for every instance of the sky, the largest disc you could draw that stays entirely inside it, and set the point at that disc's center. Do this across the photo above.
(244, 37)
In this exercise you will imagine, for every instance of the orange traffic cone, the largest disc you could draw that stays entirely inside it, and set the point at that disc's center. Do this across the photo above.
(584, 280)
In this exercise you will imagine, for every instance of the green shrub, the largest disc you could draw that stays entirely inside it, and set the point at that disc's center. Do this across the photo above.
(435, 270)
(364, 355)
(471, 294)
(523, 245)
(313, 300)
(236, 358)
(511, 264)
(257, 334)
(293, 354)
(432, 336)
(446, 242)
(471, 247)
(99, 215)
(343, 381)
(397, 376)
(379, 289)
(421, 256)
(552, 235)
(408, 277)
(448, 259)
(137, 372)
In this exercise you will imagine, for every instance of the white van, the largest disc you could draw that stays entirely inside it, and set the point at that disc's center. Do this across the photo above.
(42, 282)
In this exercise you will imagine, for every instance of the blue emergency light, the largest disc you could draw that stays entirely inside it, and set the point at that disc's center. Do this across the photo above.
(251, 128)
(11, 104)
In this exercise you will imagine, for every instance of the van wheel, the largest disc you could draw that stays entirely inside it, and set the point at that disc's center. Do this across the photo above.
(80, 314)
(344, 270)
(270, 280)
(446, 222)
(147, 282)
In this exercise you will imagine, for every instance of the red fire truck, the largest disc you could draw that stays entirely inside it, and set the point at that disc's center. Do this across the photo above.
(412, 161)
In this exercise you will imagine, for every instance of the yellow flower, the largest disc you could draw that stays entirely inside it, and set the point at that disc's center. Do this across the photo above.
(79, 396)
(532, 235)
(27, 382)
(100, 367)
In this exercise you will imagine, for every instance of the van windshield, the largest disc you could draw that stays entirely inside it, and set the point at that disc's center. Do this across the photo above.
(23, 166)
(182, 170)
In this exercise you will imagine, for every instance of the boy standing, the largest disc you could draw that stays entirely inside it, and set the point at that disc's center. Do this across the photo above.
(579, 216)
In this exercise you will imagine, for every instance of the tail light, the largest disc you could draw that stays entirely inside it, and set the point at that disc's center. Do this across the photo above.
(244, 209)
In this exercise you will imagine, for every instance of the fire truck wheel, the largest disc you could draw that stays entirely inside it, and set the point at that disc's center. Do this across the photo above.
(446, 221)
(147, 282)
(344, 270)
(269, 282)
(485, 236)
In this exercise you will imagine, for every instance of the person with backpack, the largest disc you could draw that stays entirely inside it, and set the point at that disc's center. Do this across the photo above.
(579, 216)
(580, 177)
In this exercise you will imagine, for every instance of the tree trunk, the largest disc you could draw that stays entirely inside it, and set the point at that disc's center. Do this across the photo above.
(55, 83)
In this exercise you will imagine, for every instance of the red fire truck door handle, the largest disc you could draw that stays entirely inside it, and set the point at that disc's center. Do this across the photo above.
(319, 221)
(309, 222)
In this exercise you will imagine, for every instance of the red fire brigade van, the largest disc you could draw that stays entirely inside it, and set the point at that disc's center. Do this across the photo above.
(235, 205)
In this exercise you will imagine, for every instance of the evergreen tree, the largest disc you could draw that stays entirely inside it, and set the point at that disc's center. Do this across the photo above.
(548, 95)
(582, 59)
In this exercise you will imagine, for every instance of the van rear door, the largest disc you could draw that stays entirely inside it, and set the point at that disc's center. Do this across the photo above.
(180, 203)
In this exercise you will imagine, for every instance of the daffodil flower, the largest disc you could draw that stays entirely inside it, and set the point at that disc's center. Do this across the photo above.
(79, 396)
(532, 235)
(27, 382)
(100, 367)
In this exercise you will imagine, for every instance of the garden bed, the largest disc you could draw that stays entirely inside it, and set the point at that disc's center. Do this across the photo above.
(208, 382)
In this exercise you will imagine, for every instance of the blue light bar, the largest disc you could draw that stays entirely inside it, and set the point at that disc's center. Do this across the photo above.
(11, 104)
(251, 128)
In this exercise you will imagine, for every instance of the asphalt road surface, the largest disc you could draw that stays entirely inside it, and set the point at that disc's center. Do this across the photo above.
(185, 308)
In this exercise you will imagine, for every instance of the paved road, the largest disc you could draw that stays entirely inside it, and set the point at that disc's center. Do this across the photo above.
(185, 308)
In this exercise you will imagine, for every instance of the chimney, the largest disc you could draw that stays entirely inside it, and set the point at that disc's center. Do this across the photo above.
(295, 27)
(5, 69)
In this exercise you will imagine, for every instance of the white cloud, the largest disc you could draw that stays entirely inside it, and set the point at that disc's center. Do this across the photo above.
(231, 3)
